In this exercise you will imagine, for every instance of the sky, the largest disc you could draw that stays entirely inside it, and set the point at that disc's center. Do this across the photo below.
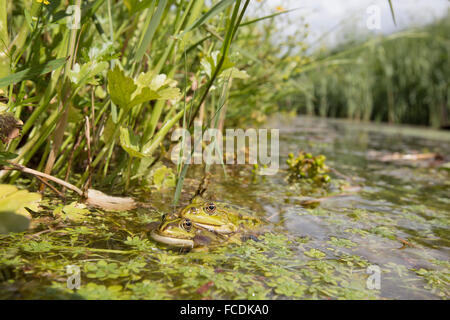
(332, 17)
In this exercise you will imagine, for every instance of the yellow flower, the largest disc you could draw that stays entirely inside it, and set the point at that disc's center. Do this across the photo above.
(280, 9)
(44, 1)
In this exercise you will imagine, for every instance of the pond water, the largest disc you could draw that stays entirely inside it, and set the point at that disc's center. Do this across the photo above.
(378, 220)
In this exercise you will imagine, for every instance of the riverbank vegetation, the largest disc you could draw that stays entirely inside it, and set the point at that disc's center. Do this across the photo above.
(98, 99)
(398, 78)
(98, 102)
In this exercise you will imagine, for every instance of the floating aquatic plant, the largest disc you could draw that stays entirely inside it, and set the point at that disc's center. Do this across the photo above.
(308, 168)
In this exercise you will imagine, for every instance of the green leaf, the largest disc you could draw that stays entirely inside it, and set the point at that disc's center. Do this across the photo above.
(14, 200)
(13, 215)
(153, 81)
(5, 156)
(150, 31)
(81, 75)
(211, 62)
(28, 19)
(134, 6)
(74, 211)
(146, 94)
(158, 81)
(130, 143)
(32, 72)
(266, 17)
(234, 73)
(37, 246)
(216, 9)
(155, 87)
(314, 253)
(120, 87)
(169, 94)
(108, 132)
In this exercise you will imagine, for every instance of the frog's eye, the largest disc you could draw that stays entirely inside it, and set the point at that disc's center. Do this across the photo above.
(210, 208)
(193, 210)
(186, 224)
(163, 217)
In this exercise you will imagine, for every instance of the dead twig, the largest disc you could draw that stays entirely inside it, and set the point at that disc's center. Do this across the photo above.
(36, 173)
(59, 193)
(93, 197)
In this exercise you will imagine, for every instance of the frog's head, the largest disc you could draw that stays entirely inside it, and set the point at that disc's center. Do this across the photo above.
(177, 232)
(209, 216)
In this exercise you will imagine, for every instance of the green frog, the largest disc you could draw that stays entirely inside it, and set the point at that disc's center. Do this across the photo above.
(182, 233)
(218, 217)
(176, 232)
(205, 223)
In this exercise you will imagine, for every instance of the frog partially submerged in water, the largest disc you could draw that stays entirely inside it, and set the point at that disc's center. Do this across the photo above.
(176, 232)
(218, 217)
(204, 222)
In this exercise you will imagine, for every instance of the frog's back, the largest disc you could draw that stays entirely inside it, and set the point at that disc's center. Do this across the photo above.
(240, 215)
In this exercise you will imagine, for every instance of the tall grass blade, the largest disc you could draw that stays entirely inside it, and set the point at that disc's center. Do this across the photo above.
(150, 31)
(216, 9)
(392, 11)
(31, 73)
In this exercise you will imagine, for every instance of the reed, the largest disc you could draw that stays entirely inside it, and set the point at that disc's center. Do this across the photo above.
(400, 78)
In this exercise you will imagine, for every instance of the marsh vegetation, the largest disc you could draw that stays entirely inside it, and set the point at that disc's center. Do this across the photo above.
(90, 105)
